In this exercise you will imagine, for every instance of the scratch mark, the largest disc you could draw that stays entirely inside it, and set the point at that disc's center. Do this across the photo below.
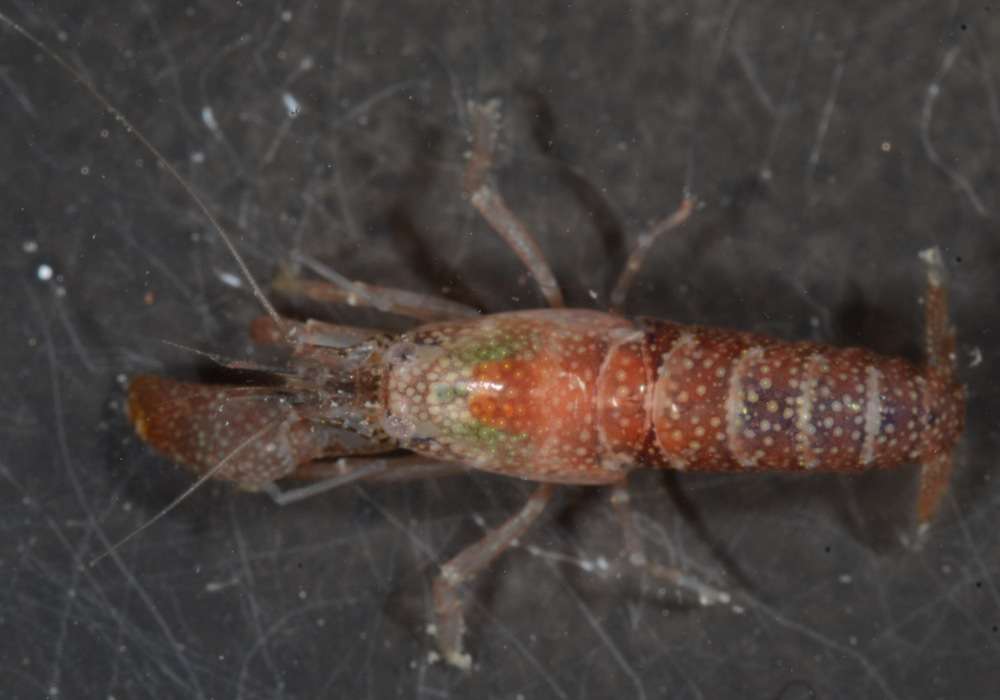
(873, 672)
(750, 72)
(927, 114)
(824, 121)
(22, 98)
(512, 639)
(706, 78)
(418, 544)
(74, 338)
(251, 598)
(991, 91)
(786, 99)
(277, 626)
(608, 643)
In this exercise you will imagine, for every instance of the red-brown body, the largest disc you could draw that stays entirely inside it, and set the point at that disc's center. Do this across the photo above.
(570, 396)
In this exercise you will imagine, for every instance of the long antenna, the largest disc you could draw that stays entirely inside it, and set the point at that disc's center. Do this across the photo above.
(121, 118)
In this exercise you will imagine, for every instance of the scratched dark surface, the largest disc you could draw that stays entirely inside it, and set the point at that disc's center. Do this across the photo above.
(828, 146)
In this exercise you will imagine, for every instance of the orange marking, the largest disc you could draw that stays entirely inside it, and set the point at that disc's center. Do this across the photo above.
(504, 397)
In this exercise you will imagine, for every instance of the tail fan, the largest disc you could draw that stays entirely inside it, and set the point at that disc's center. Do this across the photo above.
(944, 397)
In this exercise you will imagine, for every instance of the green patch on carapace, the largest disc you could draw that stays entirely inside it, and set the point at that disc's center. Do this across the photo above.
(495, 348)
(444, 392)
(488, 437)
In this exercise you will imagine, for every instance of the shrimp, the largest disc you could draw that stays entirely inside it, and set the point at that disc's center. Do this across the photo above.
(561, 396)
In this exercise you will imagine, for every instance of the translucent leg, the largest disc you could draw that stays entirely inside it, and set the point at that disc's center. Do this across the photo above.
(449, 617)
(337, 289)
(484, 196)
(333, 474)
(706, 594)
(317, 334)
(638, 255)
(352, 473)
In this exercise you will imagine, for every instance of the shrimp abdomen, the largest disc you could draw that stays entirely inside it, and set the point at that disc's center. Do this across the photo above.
(727, 400)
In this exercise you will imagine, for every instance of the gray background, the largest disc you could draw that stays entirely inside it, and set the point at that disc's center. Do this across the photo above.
(825, 159)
